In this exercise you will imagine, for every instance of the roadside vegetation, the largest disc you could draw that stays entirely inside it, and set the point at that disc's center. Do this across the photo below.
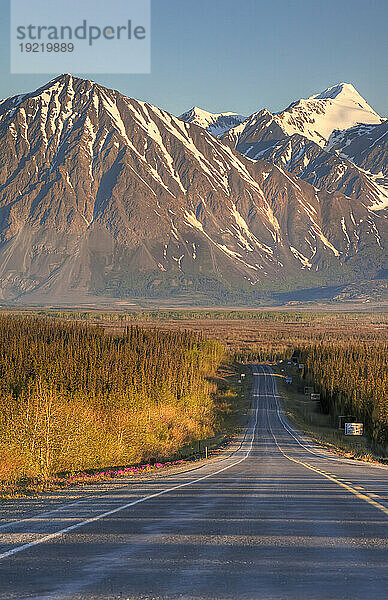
(73, 397)
(90, 391)
(352, 379)
(309, 417)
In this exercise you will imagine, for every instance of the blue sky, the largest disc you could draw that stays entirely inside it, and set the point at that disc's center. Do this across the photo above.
(247, 54)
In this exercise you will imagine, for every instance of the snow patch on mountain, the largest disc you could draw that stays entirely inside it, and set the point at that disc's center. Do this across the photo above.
(304, 261)
(215, 123)
(84, 163)
(338, 107)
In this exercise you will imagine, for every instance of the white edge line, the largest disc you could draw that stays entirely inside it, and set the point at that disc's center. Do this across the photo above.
(85, 499)
(319, 455)
(125, 506)
(349, 487)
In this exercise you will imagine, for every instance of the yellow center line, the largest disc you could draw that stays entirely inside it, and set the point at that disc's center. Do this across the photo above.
(346, 486)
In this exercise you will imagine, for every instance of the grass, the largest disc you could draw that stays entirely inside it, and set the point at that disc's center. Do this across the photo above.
(307, 417)
(233, 402)
(251, 336)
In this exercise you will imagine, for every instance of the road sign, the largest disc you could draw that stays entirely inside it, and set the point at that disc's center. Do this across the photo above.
(315, 397)
(354, 428)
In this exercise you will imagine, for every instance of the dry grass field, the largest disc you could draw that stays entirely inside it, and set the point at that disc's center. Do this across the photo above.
(266, 334)
(247, 336)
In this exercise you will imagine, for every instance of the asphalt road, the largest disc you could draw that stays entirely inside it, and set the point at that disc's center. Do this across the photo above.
(279, 519)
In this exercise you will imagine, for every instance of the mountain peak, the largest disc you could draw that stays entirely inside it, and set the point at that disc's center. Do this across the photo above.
(195, 114)
(346, 94)
(215, 123)
(201, 112)
(64, 78)
(335, 90)
(106, 194)
(338, 107)
(63, 81)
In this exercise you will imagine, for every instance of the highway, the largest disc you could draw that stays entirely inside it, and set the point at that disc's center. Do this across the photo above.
(280, 518)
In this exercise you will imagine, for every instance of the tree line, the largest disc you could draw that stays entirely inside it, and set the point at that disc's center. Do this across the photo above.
(352, 378)
(74, 397)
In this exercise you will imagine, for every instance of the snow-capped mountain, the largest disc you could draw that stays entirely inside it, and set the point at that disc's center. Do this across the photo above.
(328, 171)
(365, 145)
(215, 123)
(351, 158)
(101, 194)
(337, 107)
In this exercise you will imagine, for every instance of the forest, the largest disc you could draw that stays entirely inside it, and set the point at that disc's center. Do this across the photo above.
(74, 397)
(86, 391)
(352, 378)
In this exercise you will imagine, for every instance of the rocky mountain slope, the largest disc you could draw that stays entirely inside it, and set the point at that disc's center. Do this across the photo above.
(336, 108)
(215, 123)
(327, 171)
(365, 145)
(101, 194)
(317, 139)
